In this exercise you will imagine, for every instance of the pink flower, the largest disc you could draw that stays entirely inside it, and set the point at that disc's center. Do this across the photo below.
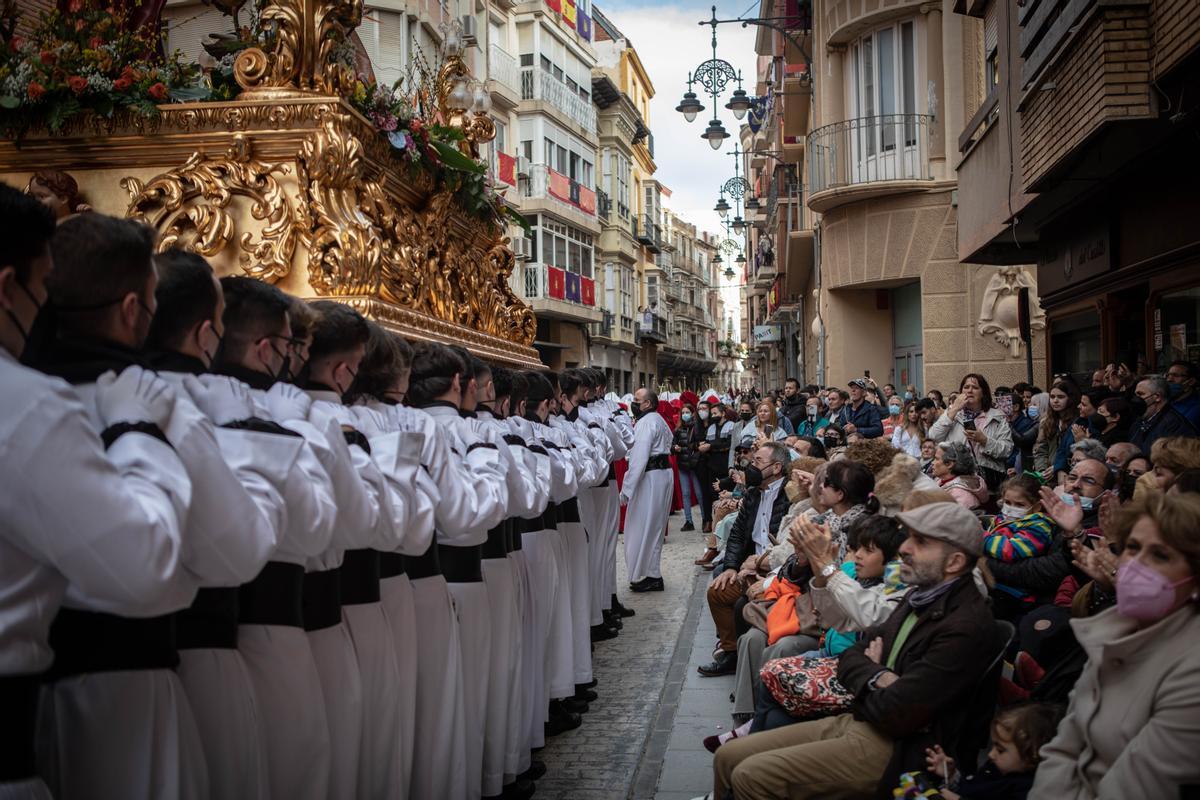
(77, 83)
(157, 92)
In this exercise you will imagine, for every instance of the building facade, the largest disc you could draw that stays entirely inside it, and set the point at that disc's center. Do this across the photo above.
(1080, 159)
(860, 137)
(688, 359)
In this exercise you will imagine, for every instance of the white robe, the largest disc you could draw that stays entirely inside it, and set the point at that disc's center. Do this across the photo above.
(648, 494)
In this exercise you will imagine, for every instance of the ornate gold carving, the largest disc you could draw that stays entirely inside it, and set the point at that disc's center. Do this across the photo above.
(302, 36)
(190, 207)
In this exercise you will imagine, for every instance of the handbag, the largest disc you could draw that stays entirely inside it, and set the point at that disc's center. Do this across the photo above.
(806, 686)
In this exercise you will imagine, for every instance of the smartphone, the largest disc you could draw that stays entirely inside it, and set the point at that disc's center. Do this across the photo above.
(768, 430)
(969, 425)
(820, 519)
(866, 373)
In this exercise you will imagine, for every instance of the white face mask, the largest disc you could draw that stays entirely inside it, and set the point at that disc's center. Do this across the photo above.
(703, 414)
(1009, 511)
(1086, 503)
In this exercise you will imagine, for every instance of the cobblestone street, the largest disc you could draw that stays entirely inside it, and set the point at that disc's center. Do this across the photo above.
(642, 738)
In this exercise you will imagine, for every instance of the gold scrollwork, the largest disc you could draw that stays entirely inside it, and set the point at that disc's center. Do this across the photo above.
(298, 54)
(190, 207)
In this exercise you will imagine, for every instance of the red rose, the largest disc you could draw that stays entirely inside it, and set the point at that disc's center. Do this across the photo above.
(157, 92)
(35, 90)
(95, 42)
(75, 6)
(48, 58)
(77, 84)
(122, 83)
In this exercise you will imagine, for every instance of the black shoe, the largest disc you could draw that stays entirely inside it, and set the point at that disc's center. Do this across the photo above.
(723, 664)
(613, 620)
(648, 585)
(592, 684)
(561, 723)
(570, 705)
(519, 790)
(687, 526)
(536, 770)
(602, 633)
(584, 694)
(621, 610)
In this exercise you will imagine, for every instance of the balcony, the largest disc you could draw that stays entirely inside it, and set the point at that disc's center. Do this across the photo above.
(558, 294)
(536, 84)
(504, 74)
(651, 327)
(648, 234)
(867, 157)
(560, 193)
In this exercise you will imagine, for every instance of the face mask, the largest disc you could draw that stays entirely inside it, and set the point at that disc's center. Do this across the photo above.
(754, 477)
(908, 396)
(1174, 390)
(26, 335)
(1032, 412)
(746, 416)
(703, 415)
(1009, 511)
(212, 357)
(812, 415)
(1143, 593)
(686, 417)
(637, 410)
(1086, 503)
(893, 410)
(1097, 422)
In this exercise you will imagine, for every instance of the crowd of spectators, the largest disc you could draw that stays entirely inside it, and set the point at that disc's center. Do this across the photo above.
(991, 594)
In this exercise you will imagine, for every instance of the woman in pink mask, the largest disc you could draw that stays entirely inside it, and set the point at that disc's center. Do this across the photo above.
(1133, 725)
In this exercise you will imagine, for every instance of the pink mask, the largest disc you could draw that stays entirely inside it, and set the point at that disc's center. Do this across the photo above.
(1143, 593)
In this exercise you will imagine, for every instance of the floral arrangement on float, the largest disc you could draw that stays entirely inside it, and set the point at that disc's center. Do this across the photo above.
(88, 57)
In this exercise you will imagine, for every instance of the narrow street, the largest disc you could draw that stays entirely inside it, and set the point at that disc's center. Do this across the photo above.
(642, 738)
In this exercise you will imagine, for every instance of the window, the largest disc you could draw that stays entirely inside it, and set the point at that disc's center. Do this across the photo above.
(566, 247)
(884, 68)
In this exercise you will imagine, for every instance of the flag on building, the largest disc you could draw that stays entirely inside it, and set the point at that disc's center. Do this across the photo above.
(555, 284)
(568, 12)
(555, 5)
(507, 168)
(574, 293)
(587, 290)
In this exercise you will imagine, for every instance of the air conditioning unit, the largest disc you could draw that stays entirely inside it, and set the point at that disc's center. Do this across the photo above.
(470, 31)
(522, 167)
(520, 247)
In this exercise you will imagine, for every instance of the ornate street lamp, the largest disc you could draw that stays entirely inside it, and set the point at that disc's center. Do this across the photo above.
(690, 106)
(739, 103)
(715, 134)
(722, 207)
(738, 224)
(729, 273)
(714, 75)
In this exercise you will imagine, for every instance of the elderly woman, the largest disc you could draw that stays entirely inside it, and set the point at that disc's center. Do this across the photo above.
(971, 420)
(1131, 729)
(954, 470)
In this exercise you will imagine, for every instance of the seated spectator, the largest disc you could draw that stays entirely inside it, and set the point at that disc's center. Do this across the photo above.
(751, 533)
(1119, 454)
(954, 470)
(1019, 531)
(928, 454)
(1018, 734)
(1112, 421)
(765, 424)
(1171, 456)
(1087, 448)
(971, 420)
(1160, 419)
(1130, 729)
(895, 482)
(814, 418)
(918, 679)
(847, 492)
(809, 446)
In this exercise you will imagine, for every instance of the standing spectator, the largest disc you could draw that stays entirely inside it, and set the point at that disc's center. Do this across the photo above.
(1171, 456)
(1181, 379)
(1024, 435)
(889, 391)
(1161, 418)
(1112, 421)
(894, 418)
(862, 417)
(745, 416)
(814, 418)
(936, 396)
(907, 435)
(973, 421)
(687, 438)
(715, 452)
(792, 407)
(836, 399)
(1054, 428)
(954, 470)
(1130, 729)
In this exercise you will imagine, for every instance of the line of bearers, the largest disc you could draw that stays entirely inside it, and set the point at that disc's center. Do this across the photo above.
(233, 564)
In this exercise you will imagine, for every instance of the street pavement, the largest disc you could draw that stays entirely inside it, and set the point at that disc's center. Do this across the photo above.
(642, 738)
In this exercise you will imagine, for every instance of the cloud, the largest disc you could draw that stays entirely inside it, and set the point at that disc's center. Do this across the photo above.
(671, 43)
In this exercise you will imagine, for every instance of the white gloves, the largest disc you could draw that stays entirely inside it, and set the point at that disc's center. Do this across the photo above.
(288, 402)
(221, 398)
(135, 395)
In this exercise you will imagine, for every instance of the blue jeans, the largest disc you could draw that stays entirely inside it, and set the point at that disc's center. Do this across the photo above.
(689, 483)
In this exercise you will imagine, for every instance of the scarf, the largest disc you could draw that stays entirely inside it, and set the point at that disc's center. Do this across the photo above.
(921, 599)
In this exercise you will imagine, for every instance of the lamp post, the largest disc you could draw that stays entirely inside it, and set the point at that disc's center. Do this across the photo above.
(714, 75)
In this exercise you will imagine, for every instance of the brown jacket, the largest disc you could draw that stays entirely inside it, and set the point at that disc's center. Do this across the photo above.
(942, 696)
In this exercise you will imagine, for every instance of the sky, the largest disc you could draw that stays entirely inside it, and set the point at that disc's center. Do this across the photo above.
(671, 44)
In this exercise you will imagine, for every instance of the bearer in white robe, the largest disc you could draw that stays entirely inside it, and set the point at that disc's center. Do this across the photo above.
(271, 635)
(647, 494)
(102, 514)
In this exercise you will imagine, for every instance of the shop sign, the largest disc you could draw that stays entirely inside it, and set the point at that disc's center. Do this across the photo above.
(767, 333)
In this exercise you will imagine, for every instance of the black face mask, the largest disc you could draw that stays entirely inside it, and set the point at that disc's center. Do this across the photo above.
(832, 441)
(638, 411)
(746, 416)
(1097, 422)
(36, 328)
(754, 477)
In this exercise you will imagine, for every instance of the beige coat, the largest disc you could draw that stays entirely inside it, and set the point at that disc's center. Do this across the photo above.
(1132, 729)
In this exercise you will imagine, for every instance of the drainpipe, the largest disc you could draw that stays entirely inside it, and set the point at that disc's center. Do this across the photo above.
(818, 322)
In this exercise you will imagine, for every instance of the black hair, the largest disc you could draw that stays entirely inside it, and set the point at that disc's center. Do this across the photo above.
(1189, 368)
(186, 295)
(878, 531)
(380, 368)
(1121, 407)
(26, 228)
(502, 381)
(1187, 481)
(339, 329)
(537, 389)
(855, 481)
(925, 403)
(551, 378)
(985, 391)
(569, 381)
(475, 368)
(816, 448)
(253, 309)
(434, 366)
(98, 261)
(518, 393)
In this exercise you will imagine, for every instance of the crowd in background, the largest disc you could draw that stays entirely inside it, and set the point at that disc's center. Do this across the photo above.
(985, 593)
